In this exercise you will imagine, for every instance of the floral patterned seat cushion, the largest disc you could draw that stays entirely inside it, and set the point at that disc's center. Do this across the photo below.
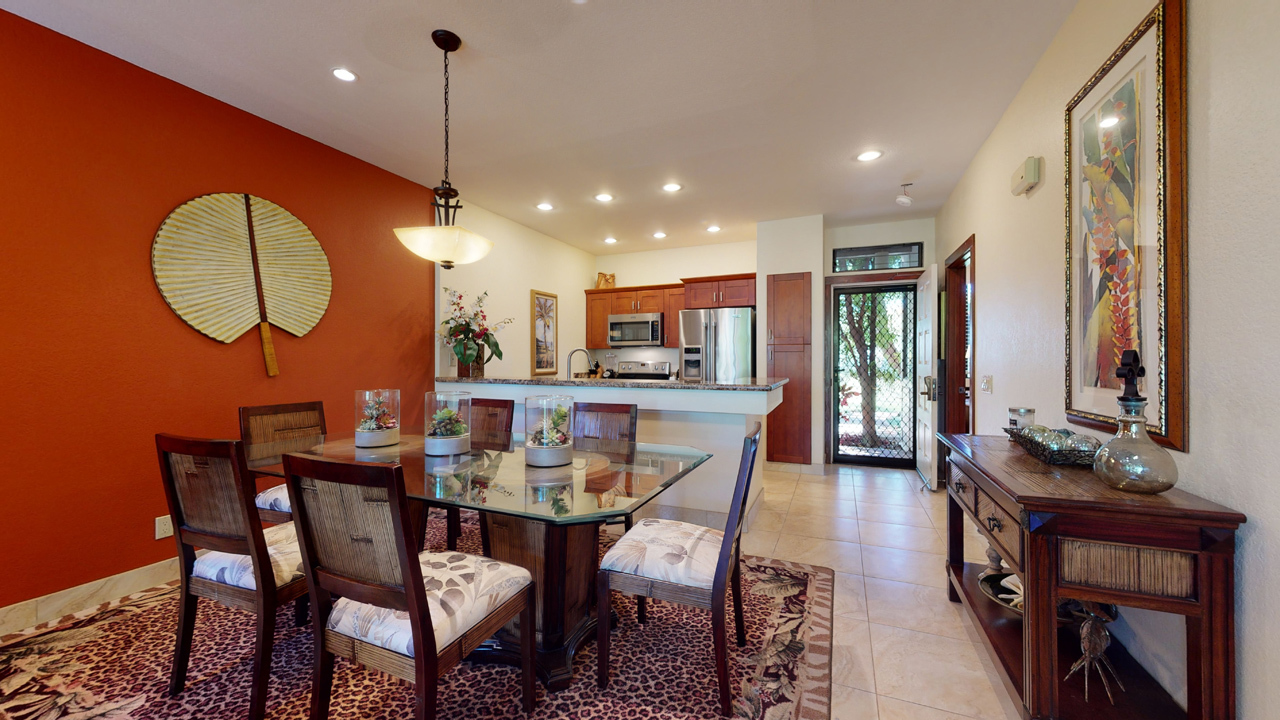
(462, 590)
(237, 570)
(276, 498)
(667, 550)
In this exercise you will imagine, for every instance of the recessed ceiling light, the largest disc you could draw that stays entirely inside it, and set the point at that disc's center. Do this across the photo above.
(604, 197)
(659, 235)
(870, 155)
(1107, 122)
(671, 187)
(344, 74)
(610, 241)
(545, 206)
(714, 228)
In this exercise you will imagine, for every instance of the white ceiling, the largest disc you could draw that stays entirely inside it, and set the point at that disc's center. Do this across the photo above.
(757, 107)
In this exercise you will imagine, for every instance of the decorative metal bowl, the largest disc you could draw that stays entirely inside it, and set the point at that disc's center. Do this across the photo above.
(1038, 451)
(991, 587)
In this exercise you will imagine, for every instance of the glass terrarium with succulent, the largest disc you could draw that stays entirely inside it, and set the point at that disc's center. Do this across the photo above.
(548, 427)
(377, 418)
(448, 429)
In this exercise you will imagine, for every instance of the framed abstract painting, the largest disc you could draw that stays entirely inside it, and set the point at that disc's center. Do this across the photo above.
(1126, 229)
(546, 327)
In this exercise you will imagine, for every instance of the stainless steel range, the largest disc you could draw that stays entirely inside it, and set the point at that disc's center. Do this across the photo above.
(643, 370)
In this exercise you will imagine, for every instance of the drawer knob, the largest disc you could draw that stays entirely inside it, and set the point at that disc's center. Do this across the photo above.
(960, 486)
(994, 524)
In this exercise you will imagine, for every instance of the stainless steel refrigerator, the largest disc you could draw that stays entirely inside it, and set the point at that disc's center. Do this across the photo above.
(718, 345)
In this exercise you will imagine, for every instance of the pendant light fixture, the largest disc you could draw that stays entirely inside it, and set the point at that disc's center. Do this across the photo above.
(445, 242)
(904, 199)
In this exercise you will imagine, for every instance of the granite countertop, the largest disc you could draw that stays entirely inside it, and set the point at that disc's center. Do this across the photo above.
(752, 385)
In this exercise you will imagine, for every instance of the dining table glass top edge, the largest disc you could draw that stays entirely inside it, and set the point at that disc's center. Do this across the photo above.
(607, 479)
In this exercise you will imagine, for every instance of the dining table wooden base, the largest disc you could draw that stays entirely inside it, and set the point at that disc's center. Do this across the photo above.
(564, 560)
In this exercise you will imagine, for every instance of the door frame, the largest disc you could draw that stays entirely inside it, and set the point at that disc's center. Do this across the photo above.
(831, 283)
(953, 281)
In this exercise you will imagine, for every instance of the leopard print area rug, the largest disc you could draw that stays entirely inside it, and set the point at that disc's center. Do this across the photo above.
(112, 662)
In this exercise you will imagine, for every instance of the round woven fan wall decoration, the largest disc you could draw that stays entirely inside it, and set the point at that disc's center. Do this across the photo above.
(228, 261)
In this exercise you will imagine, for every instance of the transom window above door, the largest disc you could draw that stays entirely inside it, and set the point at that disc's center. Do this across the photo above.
(877, 257)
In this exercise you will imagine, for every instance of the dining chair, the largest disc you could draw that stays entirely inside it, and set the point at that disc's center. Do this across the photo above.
(210, 493)
(685, 564)
(411, 615)
(272, 430)
(488, 416)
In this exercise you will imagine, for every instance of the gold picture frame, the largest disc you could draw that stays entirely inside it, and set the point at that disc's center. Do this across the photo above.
(544, 332)
(1125, 216)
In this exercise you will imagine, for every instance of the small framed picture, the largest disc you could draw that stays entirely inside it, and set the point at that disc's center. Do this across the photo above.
(545, 324)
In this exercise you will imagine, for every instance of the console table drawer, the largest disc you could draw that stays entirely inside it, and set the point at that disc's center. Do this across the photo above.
(1001, 526)
(961, 487)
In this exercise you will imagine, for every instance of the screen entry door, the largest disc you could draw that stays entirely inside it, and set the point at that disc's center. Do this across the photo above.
(875, 376)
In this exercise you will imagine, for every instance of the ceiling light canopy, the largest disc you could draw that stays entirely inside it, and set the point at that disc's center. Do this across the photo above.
(714, 228)
(672, 187)
(904, 199)
(659, 234)
(604, 197)
(445, 242)
(610, 240)
(870, 155)
(545, 206)
(344, 74)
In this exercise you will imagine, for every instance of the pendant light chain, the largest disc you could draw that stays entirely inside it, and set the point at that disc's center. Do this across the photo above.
(446, 118)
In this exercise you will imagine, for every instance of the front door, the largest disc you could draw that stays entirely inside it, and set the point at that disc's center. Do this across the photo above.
(926, 380)
(875, 373)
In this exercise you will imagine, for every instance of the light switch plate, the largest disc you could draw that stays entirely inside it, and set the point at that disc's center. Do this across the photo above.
(164, 527)
(986, 384)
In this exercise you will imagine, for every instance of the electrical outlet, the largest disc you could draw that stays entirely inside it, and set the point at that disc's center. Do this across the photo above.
(164, 527)
(986, 384)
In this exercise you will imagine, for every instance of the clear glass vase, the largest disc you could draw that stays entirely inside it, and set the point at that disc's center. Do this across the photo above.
(1132, 461)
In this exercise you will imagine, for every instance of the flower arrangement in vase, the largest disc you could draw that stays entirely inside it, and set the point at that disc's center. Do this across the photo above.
(448, 431)
(466, 331)
(377, 418)
(549, 430)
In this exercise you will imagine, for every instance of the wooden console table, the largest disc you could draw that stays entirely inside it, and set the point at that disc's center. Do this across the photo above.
(1069, 535)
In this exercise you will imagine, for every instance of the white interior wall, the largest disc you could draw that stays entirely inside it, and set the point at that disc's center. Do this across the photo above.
(522, 260)
(790, 246)
(657, 267)
(1234, 156)
(885, 233)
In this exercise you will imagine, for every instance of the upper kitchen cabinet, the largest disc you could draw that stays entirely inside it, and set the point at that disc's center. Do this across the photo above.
(789, 310)
(720, 291)
(673, 303)
(624, 303)
(599, 307)
(649, 301)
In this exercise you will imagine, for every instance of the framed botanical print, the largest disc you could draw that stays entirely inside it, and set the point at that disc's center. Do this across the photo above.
(546, 326)
(1126, 229)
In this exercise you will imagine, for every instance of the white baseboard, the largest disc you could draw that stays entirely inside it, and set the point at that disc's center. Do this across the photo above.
(20, 616)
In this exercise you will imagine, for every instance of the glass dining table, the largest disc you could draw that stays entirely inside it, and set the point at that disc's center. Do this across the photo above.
(545, 519)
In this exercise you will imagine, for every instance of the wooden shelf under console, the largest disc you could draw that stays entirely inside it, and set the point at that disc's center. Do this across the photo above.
(1069, 535)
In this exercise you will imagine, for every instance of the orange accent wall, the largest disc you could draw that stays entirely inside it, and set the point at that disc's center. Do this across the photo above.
(94, 153)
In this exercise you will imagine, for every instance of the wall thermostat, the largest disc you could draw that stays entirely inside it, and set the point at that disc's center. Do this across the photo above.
(1026, 176)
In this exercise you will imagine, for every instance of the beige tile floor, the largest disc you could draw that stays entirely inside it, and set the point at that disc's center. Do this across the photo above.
(902, 650)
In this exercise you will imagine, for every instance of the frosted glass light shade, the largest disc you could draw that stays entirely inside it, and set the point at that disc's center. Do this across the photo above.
(448, 245)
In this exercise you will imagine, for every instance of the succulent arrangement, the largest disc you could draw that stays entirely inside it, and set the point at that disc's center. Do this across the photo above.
(551, 431)
(377, 416)
(446, 422)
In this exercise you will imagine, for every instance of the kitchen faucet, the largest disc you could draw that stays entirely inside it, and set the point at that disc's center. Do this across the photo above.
(568, 362)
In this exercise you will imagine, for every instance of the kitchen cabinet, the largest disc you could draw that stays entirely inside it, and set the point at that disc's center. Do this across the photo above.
(672, 304)
(721, 291)
(789, 309)
(599, 307)
(790, 424)
(649, 301)
(624, 303)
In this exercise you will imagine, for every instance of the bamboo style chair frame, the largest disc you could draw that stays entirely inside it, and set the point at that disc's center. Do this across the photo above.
(728, 573)
(269, 429)
(210, 493)
(348, 516)
(494, 416)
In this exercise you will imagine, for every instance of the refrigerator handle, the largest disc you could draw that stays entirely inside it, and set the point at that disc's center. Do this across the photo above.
(715, 359)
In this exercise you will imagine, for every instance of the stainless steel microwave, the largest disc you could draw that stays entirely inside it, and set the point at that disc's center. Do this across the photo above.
(640, 330)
